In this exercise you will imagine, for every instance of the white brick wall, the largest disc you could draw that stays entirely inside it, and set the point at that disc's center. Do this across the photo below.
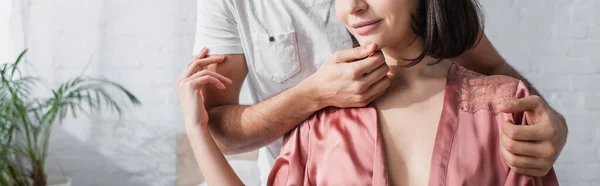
(556, 43)
(144, 44)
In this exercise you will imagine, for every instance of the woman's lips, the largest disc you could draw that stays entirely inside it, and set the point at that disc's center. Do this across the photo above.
(365, 27)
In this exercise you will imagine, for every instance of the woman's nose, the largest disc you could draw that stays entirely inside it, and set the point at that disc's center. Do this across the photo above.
(356, 6)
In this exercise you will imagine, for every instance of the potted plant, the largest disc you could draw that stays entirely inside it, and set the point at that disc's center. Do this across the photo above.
(30, 119)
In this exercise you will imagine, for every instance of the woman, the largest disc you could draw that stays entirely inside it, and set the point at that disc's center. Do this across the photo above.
(437, 124)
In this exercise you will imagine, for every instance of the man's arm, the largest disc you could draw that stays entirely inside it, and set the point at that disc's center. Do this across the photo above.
(529, 149)
(486, 60)
(240, 128)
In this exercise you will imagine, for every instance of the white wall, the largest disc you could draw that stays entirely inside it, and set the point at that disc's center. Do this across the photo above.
(144, 44)
(5, 44)
(556, 45)
(141, 44)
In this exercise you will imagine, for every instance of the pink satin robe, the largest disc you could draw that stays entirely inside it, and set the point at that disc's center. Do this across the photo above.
(344, 146)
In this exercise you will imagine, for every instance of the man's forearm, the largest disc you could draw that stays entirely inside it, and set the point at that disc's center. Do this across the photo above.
(242, 128)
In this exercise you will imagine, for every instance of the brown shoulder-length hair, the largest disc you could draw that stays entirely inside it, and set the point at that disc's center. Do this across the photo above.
(448, 27)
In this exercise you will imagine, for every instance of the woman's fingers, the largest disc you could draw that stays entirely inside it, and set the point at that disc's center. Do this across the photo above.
(200, 55)
(198, 64)
(211, 73)
(203, 53)
(197, 83)
(205, 76)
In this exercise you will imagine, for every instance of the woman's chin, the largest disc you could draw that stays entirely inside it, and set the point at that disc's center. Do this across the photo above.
(365, 41)
(379, 45)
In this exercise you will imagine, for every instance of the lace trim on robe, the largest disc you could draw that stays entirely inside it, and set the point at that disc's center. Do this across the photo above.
(479, 92)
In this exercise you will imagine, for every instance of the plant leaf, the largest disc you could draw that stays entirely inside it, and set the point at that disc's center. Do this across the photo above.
(18, 61)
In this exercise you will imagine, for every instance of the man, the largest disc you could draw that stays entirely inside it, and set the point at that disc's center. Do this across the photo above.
(285, 49)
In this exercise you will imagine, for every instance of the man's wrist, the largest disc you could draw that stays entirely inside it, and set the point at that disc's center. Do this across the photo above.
(307, 93)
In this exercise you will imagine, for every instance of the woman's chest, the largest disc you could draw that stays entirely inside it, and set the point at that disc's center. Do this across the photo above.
(409, 135)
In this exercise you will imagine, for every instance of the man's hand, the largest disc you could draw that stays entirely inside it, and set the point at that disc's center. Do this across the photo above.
(350, 78)
(532, 149)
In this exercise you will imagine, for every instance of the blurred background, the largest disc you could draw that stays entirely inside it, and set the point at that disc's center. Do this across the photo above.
(144, 45)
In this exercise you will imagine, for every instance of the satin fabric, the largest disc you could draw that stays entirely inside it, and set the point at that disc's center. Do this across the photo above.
(344, 146)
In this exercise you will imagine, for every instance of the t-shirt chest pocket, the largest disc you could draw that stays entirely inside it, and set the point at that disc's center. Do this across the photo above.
(276, 55)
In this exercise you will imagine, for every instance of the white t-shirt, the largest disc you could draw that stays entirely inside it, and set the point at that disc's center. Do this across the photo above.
(283, 41)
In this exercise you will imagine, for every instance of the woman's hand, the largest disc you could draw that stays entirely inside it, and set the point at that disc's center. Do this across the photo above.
(189, 88)
(211, 161)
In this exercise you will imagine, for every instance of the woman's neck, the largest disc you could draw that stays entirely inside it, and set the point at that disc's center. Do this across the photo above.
(397, 57)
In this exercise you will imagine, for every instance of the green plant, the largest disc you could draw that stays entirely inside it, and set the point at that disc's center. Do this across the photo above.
(31, 119)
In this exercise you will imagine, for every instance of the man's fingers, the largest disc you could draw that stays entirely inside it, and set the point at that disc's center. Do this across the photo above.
(378, 88)
(371, 99)
(528, 103)
(211, 73)
(350, 55)
(368, 64)
(197, 64)
(524, 162)
(530, 172)
(376, 75)
(524, 148)
(374, 97)
(526, 165)
(526, 132)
